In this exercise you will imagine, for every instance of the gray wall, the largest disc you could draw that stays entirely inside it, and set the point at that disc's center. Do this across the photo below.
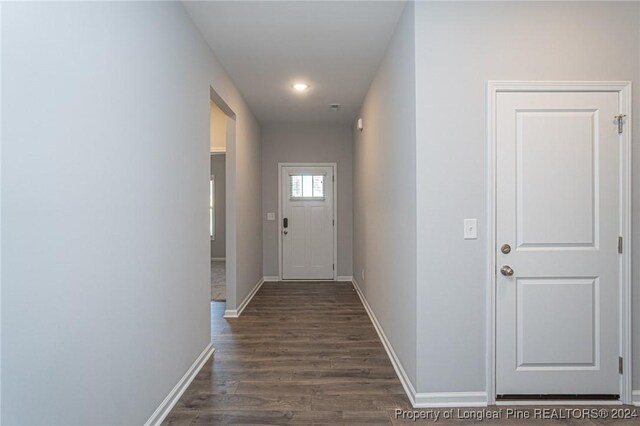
(459, 46)
(384, 195)
(244, 208)
(282, 143)
(218, 169)
(105, 169)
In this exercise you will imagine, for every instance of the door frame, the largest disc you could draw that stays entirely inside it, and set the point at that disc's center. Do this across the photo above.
(623, 88)
(334, 167)
(230, 197)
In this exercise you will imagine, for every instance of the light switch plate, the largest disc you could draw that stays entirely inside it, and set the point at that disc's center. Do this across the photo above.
(470, 229)
(271, 216)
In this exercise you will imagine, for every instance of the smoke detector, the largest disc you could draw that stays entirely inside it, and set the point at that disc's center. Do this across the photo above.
(335, 107)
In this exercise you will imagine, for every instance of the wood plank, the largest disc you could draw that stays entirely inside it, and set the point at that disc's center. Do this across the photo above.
(300, 353)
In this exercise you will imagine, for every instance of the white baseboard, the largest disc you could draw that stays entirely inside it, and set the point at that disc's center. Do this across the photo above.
(635, 398)
(346, 278)
(420, 400)
(235, 313)
(219, 259)
(395, 361)
(172, 398)
(450, 399)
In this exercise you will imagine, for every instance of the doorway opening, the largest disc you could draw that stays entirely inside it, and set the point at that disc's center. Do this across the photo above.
(221, 142)
(217, 203)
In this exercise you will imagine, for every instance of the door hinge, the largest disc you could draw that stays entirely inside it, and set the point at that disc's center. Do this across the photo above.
(620, 365)
(333, 222)
(620, 122)
(619, 244)
(333, 266)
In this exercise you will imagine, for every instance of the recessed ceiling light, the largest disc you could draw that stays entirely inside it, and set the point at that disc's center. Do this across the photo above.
(300, 87)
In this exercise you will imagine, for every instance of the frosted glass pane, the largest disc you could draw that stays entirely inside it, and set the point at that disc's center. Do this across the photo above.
(296, 186)
(318, 186)
(307, 186)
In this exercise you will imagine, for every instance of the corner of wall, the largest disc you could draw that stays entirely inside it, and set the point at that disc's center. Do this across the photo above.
(383, 256)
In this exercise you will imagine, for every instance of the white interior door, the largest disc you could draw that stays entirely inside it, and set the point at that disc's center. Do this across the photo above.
(558, 208)
(307, 222)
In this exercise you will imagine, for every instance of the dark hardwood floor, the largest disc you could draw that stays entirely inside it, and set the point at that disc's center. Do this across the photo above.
(300, 353)
(303, 353)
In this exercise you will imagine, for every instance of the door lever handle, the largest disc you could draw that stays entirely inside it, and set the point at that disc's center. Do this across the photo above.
(506, 270)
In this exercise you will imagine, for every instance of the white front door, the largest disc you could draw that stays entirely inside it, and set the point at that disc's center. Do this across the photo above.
(558, 208)
(307, 222)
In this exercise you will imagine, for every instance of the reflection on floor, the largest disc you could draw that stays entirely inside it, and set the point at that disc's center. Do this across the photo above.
(218, 281)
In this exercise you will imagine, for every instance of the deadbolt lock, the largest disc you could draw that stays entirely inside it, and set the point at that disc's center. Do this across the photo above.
(506, 249)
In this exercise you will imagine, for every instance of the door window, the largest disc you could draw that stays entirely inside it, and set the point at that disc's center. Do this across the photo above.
(306, 187)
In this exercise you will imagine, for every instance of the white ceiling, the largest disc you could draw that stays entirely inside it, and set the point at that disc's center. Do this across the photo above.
(335, 46)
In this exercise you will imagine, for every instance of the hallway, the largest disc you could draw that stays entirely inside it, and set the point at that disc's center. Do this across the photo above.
(300, 353)
(319, 212)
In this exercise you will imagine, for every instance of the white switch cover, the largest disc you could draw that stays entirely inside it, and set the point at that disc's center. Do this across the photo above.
(470, 229)
(271, 216)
